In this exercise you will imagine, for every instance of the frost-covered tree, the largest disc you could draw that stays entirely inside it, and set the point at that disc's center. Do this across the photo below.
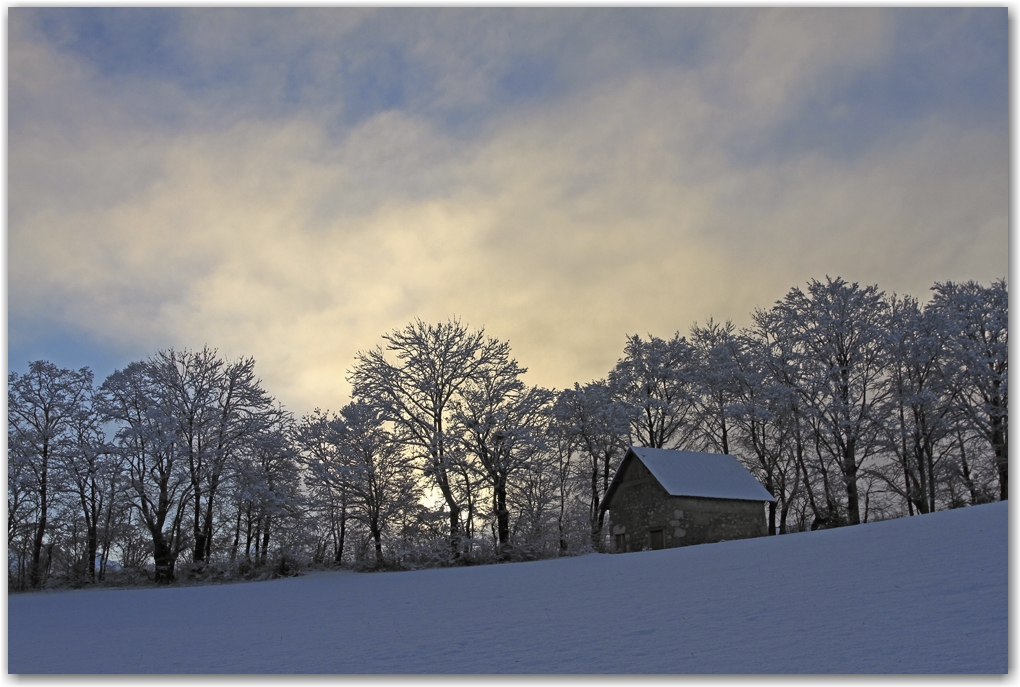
(503, 424)
(42, 405)
(328, 497)
(20, 509)
(717, 383)
(920, 426)
(840, 339)
(268, 492)
(533, 500)
(596, 424)
(978, 340)
(658, 380)
(467, 481)
(92, 473)
(245, 417)
(217, 407)
(415, 389)
(157, 471)
(766, 424)
(185, 383)
(359, 458)
(571, 498)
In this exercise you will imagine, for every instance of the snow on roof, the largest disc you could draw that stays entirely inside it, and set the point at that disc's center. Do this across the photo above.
(708, 475)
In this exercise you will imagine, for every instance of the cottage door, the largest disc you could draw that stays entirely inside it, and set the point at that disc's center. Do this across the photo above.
(656, 540)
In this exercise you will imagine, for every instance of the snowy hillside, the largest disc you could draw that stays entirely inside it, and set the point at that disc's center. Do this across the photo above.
(922, 594)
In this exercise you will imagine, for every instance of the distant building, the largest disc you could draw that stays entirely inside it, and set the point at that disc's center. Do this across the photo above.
(660, 499)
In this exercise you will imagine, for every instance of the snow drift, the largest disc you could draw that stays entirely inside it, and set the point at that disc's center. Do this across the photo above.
(916, 595)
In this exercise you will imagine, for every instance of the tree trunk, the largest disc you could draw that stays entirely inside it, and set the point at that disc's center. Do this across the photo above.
(198, 554)
(207, 528)
(343, 535)
(594, 517)
(35, 572)
(771, 489)
(237, 537)
(853, 506)
(502, 516)
(93, 537)
(252, 536)
(377, 536)
(1001, 457)
(921, 500)
(444, 487)
(853, 496)
(163, 556)
(965, 469)
(930, 460)
(903, 450)
(722, 423)
(108, 529)
(265, 540)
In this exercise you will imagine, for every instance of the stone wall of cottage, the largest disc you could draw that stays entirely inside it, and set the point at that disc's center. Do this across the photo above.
(643, 516)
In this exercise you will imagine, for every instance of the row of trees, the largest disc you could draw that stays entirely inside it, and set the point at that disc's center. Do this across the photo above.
(846, 403)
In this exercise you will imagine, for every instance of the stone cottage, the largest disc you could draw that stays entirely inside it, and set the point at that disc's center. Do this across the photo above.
(662, 498)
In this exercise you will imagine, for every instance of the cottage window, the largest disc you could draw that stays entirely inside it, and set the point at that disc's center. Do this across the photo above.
(656, 540)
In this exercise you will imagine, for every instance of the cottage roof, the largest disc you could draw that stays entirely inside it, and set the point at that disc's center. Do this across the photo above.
(688, 473)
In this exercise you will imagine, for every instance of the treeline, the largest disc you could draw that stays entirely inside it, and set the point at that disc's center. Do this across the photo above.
(848, 405)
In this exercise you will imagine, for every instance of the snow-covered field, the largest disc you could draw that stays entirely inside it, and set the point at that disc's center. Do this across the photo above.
(922, 594)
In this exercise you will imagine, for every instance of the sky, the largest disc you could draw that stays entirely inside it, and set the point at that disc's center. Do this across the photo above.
(291, 184)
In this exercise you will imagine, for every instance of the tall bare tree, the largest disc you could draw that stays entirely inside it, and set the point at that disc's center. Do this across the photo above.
(378, 478)
(217, 407)
(92, 471)
(920, 425)
(314, 436)
(42, 405)
(598, 423)
(658, 379)
(718, 385)
(764, 413)
(415, 387)
(147, 438)
(978, 319)
(504, 423)
(840, 335)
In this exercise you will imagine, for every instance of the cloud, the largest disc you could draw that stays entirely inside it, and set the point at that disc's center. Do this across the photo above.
(596, 185)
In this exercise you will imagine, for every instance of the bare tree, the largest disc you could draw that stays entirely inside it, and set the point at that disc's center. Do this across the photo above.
(598, 424)
(41, 407)
(564, 443)
(157, 467)
(21, 508)
(187, 386)
(318, 453)
(717, 350)
(379, 479)
(92, 470)
(533, 498)
(978, 319)
(840, 334)
(764, 415)
(217, 407)
(504, 423)
(920, 428)
(657, 378)
(415, 392)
